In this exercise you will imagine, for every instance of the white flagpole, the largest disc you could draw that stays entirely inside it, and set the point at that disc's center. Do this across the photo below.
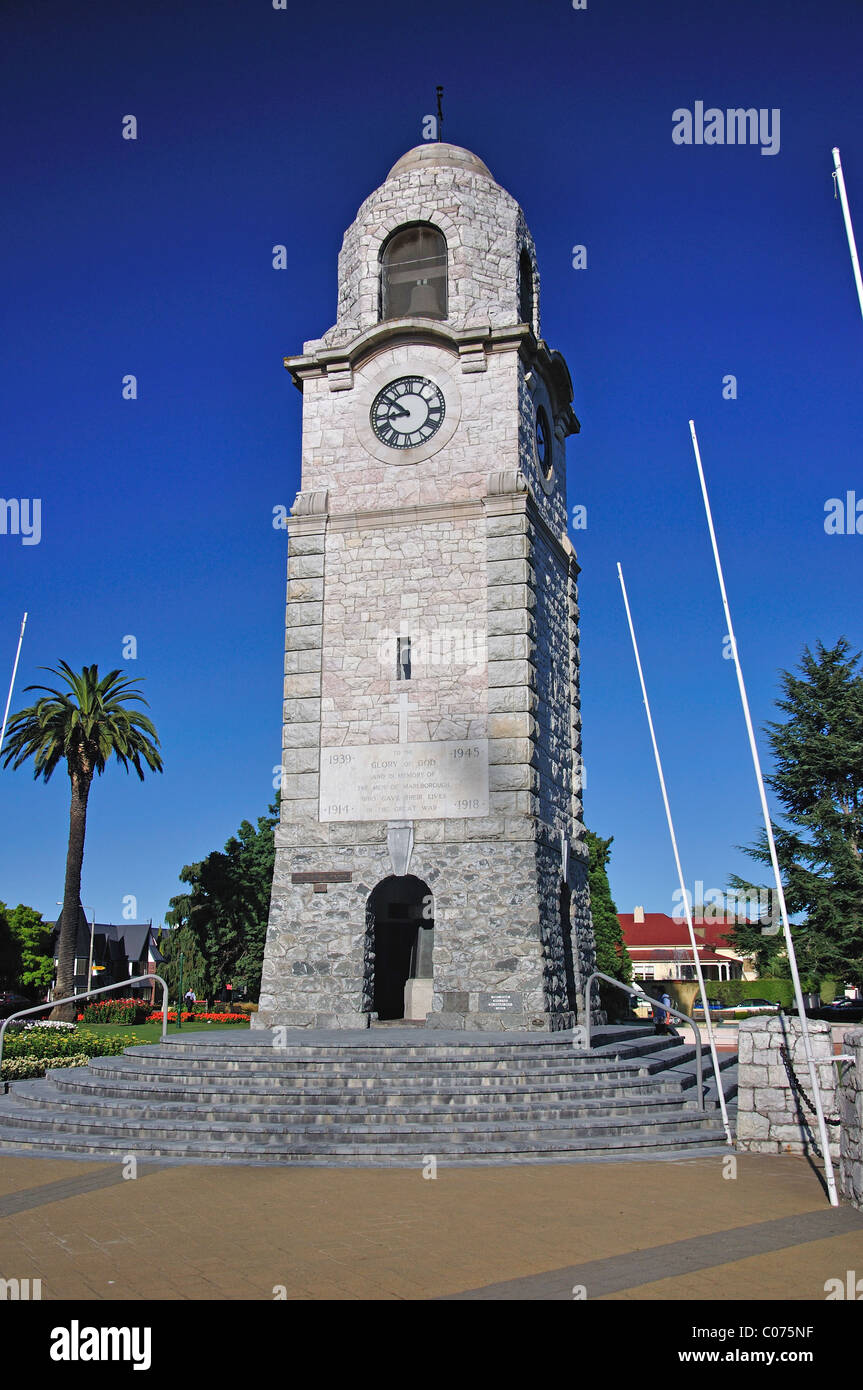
(710, 1035)
(12, 682)
(849, 230)
(768, 826)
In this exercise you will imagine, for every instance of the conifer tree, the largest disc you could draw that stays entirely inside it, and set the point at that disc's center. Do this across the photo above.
(612, 957)
(818, 781)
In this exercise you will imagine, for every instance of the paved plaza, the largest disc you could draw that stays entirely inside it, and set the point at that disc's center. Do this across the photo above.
(634, 1230)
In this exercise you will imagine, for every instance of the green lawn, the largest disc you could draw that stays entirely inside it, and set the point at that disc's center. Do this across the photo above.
(152, 1032)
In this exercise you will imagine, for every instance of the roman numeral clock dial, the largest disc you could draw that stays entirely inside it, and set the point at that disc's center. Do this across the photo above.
(407, 412)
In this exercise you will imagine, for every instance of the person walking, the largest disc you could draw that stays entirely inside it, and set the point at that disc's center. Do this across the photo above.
(661, 1018)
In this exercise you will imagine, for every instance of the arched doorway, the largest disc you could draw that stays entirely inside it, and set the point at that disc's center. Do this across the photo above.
(400, 927)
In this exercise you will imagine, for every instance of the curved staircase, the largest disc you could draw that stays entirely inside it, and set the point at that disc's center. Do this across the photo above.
(373, 1098)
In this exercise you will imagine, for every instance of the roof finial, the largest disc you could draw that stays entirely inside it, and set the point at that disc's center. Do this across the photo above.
(440, 114)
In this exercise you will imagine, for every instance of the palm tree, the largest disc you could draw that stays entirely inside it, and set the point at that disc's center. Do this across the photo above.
(84, 725)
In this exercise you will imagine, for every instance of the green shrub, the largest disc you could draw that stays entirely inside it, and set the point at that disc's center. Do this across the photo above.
(731, 992)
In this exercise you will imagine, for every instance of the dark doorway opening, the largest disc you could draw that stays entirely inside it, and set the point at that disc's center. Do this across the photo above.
(402, 929)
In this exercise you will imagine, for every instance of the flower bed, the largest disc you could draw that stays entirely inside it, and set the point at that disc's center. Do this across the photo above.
(187, 1017)
(25, 1068)
(40, 1023)
(116, 1011)
(47, 1042)
(33, 1049)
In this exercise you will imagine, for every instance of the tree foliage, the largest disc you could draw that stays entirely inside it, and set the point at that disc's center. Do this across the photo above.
(33, 937)
(612, 957)
(10, 952)
(818, 781)
(220, 924)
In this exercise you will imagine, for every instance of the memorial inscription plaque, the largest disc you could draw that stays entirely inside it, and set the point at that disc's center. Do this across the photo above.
(404, 781)
(499, 1003)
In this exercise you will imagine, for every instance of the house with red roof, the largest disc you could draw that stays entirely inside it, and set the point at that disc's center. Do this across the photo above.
(661, 949)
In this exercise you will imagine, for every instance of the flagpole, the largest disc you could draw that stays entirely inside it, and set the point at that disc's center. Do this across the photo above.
(12, 682)
(710, 1035)
(839, 179)
(768, 826)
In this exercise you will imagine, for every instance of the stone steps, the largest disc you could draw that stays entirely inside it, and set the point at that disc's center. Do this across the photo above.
(339, 1099)
(398, 1108)
(401, 1127)
(368, 1093)
(701, 1143)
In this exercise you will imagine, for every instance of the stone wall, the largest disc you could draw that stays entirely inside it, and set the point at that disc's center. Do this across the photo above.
(496, 924)
(772, 1116)
(438, 602)
(851, 1114)
(554, 751)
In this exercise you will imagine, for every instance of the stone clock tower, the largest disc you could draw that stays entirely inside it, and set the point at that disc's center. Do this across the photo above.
(430, 861)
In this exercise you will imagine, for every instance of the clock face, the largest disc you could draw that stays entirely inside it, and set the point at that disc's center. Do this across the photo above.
(407, 412)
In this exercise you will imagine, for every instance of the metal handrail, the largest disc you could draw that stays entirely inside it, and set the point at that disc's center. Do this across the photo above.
(73, 998)
(666, 1008)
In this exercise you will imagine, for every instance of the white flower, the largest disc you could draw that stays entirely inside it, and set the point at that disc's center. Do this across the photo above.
(47, 1023)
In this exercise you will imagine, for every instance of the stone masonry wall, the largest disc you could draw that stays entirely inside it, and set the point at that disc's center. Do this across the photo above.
(554, 751)
(851, 1114)
(488, 933)
(549, 493)
(427, 583)
(771, 1116)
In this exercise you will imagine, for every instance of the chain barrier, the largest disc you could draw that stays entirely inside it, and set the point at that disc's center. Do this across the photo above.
(797, 1085)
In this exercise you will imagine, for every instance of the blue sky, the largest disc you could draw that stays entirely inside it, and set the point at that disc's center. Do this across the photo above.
(258, 126)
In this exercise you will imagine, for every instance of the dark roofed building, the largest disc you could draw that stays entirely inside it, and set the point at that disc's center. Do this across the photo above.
(120, 951)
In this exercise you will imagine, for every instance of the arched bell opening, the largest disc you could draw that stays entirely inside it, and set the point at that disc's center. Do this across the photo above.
(525, 289)
(399, 946)
(414, 274)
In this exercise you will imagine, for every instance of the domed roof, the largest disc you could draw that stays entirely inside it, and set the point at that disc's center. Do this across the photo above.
(435, 154)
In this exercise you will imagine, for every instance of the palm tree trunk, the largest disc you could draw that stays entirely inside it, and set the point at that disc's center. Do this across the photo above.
(71, 913)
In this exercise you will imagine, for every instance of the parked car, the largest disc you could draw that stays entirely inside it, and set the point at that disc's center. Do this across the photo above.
(13, 1003)
(711, 1003)
(746, 1004)
(846, 1011)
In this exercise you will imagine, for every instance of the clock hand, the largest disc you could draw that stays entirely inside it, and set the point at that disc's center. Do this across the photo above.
(396, 410)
